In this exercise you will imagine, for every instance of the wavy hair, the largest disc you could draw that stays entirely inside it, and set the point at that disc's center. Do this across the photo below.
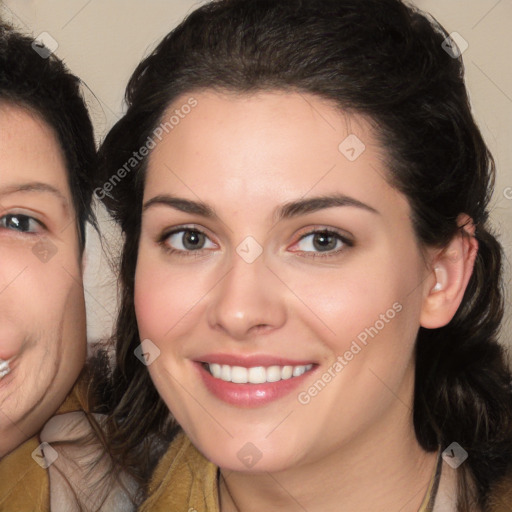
(383, 59)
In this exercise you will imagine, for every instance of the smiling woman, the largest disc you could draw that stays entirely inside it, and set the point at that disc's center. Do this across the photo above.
(315, 227)
(42, 332)
(47, 157)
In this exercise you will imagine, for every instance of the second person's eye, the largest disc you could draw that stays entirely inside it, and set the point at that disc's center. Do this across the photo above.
(20, 223)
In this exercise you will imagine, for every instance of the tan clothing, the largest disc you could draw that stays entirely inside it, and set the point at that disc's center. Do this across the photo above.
(24, 485)
(184, 480)
(74, 481)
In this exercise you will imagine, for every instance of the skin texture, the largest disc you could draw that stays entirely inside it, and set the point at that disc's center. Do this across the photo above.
(42, 309)
(353, 444)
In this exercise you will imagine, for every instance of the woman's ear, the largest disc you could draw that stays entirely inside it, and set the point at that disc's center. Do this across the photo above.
(451, 270)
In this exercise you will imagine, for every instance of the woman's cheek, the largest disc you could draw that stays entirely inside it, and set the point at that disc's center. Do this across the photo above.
(340, 302)
(163, 296)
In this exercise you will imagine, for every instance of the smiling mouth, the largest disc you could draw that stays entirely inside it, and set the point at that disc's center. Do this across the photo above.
(255, 374)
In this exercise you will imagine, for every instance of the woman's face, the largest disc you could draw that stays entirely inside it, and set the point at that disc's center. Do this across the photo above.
(42, 311)
(278, 281)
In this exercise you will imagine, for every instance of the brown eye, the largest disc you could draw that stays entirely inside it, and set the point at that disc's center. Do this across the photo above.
(18, 222)
(324, 241)
(188, 240)
(321, 241)
(193, 240)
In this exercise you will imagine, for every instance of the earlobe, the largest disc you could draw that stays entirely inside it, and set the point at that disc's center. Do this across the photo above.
(451, 270)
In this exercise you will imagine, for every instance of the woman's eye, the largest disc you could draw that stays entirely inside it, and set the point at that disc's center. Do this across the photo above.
(321, 241)
(188, 240)
(20, 223)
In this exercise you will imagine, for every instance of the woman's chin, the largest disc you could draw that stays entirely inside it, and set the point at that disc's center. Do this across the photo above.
(249, 457)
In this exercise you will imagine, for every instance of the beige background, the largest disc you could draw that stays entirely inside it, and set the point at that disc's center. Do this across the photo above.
(102, 41)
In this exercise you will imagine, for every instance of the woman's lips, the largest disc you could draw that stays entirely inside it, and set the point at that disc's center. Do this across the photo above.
(252, 382)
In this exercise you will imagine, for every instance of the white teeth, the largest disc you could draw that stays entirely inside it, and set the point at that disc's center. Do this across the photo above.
(239, 375)
(225, 373)
(256, 374)
(298, 371)
(286, 372)
(216, 370)
(4, 368)
(273, 373)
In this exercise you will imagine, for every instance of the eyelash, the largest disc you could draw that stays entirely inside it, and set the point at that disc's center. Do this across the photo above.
(347, 243)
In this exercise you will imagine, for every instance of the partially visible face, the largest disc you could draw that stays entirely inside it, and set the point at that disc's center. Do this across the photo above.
(279, 277)
(42, 310)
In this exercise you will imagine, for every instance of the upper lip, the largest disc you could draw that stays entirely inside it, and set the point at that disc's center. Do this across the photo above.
(252, 360)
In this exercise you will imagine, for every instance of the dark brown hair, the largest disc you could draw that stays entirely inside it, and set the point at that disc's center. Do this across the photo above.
(385, 60)
(43, 85)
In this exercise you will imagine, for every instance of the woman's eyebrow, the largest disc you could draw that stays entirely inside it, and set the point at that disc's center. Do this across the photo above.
(314, 204)
(183, 205)
(286, 211)
(35, 186)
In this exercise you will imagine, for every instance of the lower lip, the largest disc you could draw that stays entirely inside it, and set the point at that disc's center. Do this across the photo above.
(250, 395)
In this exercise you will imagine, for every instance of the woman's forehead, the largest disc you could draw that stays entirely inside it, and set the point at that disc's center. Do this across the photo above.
(30, 150)
(268, 147)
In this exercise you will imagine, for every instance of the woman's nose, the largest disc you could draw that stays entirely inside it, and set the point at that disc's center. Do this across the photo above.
(248, 300)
